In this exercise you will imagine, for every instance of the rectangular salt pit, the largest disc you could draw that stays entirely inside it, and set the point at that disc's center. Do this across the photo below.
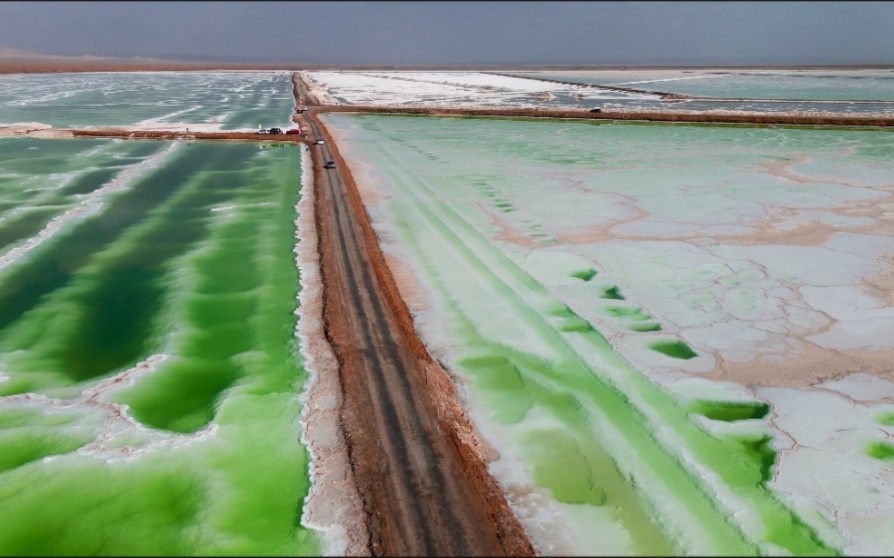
(734, 240)
(150, 367)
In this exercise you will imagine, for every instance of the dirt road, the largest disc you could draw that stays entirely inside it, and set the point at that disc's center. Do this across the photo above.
(424, 486)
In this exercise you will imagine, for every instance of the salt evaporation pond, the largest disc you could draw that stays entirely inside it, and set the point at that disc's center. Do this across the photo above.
(835, 85)
(206, 101)
(456, 89)
(149, 367)
(839, 91)
(867, 92)
(677, 337)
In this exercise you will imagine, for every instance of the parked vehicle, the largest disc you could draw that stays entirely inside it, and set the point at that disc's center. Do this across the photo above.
(293, 131)
(263, 131)
(329, 165)
(319, 142)
(275, 130)
(596, 110)
(300, 110)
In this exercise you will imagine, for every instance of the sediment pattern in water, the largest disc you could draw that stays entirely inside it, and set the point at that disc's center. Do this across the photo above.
(508, 237)
(150, 374)
(165, 100)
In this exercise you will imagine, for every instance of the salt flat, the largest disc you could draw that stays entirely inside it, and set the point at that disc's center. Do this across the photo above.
(867, 92)
(200, 101)
(729, 284)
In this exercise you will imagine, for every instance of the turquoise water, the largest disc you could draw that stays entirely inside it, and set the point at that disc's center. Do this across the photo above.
(232, 100)
(149, 393)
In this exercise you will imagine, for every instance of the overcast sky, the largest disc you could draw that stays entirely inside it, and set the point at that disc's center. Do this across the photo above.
(545, 32)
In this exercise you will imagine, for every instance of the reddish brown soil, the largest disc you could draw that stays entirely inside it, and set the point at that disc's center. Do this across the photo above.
(440, 501)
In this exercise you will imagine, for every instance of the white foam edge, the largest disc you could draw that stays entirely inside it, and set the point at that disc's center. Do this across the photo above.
(319, 359)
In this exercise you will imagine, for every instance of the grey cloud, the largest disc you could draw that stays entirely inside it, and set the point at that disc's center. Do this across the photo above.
(460, 32)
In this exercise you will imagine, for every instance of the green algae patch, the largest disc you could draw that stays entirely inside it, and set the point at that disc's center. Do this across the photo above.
(566, 461)
(797, 537)
(730, 411)
(584, 274)
(756, 455)
(211, 310)
(21, 449)
(28, 223)
(673, 349)
(56, 264)
(90, 181)
(85, 508)
(886, 419)
(31, 432)
(612, 293)
(644, 327)
(570, 321)
(201, 252)
(182, 396)
(880, 450)
(577, 324)
(627, 312)
(572, 483)
(505, 390)
(13, 417)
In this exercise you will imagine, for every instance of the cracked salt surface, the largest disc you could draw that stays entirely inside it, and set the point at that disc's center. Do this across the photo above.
(765, 252)
(450, 89)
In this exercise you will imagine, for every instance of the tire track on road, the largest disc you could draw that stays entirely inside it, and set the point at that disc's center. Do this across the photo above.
(421, 494)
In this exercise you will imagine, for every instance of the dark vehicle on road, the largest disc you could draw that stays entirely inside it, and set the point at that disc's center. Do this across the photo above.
(596, 110)
(329, 165)
(275, 130)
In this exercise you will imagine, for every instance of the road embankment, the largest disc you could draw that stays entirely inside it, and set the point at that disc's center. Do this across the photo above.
(417, 462)
(764, 119)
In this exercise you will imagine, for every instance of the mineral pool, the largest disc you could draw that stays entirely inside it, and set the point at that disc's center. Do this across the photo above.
(150, 371)
(201, 101)
(644, 319)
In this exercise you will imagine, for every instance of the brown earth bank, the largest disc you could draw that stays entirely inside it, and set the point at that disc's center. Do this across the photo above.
(751, 119)
(419, 465)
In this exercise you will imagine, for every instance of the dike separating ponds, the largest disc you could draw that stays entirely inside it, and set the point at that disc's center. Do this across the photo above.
(448, 413)
(627, 116)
